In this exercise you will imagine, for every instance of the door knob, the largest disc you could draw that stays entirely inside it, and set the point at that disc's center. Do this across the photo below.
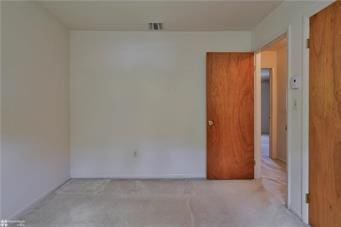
(210, 123)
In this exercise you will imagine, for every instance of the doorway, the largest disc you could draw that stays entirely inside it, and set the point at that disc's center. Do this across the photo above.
(274, 89)
(265, 110)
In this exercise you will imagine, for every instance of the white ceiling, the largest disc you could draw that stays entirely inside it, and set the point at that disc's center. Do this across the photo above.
(175, 15)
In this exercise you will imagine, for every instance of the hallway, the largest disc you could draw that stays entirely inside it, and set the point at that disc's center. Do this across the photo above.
(273, 172)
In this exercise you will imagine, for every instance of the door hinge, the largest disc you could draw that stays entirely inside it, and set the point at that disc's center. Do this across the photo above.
(307, 198)
(254, 162)
(308, 43)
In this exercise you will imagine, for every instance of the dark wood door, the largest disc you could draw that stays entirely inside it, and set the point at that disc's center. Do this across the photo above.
(325, 118)
(230, 116)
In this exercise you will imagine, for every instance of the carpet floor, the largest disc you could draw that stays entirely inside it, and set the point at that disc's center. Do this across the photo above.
(161, 203)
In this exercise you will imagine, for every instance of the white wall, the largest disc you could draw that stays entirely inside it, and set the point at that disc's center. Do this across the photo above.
(35, 85)
(289, 16)
(138, 101)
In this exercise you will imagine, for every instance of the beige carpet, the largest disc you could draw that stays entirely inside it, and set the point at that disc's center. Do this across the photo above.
(161, 203)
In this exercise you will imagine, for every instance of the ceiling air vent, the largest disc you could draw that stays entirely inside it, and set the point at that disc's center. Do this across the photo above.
(155, 26)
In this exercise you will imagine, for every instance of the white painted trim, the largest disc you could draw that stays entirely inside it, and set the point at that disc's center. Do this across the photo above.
(305, 121)
(257, 115)
(141, 177)
(289, 151)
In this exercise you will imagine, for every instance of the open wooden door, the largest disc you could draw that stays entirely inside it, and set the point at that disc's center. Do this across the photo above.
(230, 116)
(325, 118)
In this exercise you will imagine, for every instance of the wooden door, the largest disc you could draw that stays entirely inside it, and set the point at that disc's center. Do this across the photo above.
(230, 116)
(325, 118)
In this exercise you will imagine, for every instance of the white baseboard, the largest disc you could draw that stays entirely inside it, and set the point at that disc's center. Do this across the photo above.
(129, 176)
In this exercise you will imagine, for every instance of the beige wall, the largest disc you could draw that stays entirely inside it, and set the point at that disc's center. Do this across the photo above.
(35, 105)
(282, 86)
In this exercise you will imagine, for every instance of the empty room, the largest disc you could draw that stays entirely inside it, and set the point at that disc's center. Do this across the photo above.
(170, 113)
